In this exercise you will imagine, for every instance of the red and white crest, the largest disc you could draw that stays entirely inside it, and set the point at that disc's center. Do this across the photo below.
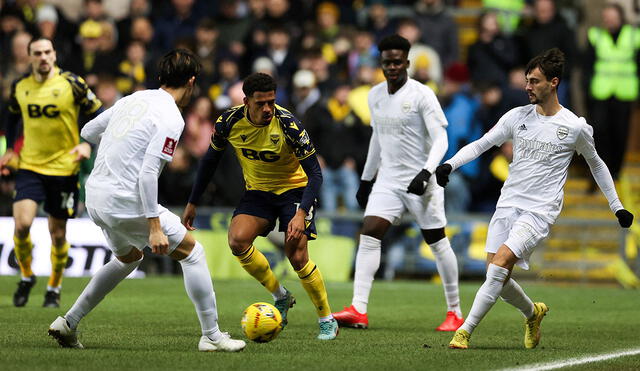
(169, 146)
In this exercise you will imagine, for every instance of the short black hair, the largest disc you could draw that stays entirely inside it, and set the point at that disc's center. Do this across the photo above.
(177, 67)
(258, 82)
(38, 39)
(550, 62)
(394, 41)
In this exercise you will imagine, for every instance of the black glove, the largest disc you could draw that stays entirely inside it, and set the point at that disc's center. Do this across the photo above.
(625, 218)
(419, 184)
(442, 174)
(363, 192)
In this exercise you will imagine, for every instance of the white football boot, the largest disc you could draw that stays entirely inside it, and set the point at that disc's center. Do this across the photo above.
(225, 344)
(65, 335)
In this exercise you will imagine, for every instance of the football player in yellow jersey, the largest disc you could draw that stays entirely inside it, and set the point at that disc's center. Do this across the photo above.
(282, 177)
(49, 101)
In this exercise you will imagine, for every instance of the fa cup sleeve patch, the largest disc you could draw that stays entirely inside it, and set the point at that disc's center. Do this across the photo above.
(169, 146)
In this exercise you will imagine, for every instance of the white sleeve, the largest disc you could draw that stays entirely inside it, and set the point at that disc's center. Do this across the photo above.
(431, 112)
(92, 130)
(148, 184)
(586, 147)
(163, 143)
(373, 159)
(498, 134)
(439, 147)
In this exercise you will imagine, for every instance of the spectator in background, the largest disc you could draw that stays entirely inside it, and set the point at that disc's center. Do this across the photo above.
(378, 21)
(547, 30)
(428, 57)
(199, 127)
(460, 108)
(207, 49)
(612, 72)
(515, 91)
(18, 62)
(364, 51)
(174, 184)
(494, 54)
(340, 139)
(305, 93)
(314, 61)
(279, 51)
(107, 92)
(132, 72)
(229, 74)
(47, 23)
(234, 27)
(94, 58)
(508, 13)
(327, 19)
(137, 8)
(180, 21)
(438, 29)
(11, 21)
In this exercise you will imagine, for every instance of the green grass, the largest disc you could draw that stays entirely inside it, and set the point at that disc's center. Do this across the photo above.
(151, 324)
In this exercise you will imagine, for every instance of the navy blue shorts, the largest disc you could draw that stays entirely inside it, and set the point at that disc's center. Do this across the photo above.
(282, 207)
(59, 193)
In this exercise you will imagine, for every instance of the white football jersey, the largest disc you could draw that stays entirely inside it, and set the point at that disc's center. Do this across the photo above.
(146, 122)
(542, 150)
(401, 122)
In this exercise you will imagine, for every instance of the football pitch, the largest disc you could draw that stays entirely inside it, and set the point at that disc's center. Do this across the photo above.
(151, 324)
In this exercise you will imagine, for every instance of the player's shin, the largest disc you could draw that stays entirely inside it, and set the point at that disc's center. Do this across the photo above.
(447, 265)
(367, 263)
(312, 281)
(59, 257)
(197, 282)
(486, 296)
(105, 280)
(513, 294)
(257, 265)
(22, 249)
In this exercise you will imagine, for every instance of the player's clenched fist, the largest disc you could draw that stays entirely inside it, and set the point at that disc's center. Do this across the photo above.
(442, 174)
(419, 184)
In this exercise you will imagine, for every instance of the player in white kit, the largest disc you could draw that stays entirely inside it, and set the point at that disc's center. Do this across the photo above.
(137, 137)
(545, 136)
(408, 142)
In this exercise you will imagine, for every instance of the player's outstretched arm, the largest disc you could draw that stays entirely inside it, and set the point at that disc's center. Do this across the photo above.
(602, 176)
(206, 168)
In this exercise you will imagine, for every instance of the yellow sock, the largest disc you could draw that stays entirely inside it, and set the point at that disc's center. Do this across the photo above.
(22, 248)
(312, 281)
(59, 257)
(254, 262)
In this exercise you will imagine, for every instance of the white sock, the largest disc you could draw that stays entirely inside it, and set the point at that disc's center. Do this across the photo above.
(448, 269)
(197, 282)
(56, 289)
(326, 319)
(513, 294)
(486, 296)
(105, 280)
(280, 293)
(367, 263)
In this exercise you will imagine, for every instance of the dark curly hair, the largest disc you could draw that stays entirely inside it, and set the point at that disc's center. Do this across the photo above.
(258, 82)
(550, 62)
(394, 41)
(177, 67)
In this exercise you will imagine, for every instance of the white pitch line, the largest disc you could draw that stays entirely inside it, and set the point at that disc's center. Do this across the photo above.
(574, 361)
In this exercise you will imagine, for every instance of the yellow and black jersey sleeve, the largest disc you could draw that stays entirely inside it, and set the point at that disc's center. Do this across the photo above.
(12, 104)
(223, 125)
(82, 94)
(295, 134)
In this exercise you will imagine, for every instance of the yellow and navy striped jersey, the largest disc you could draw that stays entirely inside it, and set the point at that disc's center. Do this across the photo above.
(49, 112)
(269, 155)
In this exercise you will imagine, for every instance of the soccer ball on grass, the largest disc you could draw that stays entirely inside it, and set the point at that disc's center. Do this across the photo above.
(261, 322)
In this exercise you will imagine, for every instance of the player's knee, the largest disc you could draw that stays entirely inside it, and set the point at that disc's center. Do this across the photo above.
(238, 244)
(23, 225)
(433, 235)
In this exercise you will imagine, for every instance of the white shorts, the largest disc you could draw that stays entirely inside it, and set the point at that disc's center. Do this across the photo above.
(124, 232)
(388, 203)
(519, 230)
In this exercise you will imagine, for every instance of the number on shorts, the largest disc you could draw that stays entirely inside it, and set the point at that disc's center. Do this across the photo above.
(67, 200)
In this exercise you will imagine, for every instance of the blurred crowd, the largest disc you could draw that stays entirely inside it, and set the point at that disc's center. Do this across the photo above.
(323, 55)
